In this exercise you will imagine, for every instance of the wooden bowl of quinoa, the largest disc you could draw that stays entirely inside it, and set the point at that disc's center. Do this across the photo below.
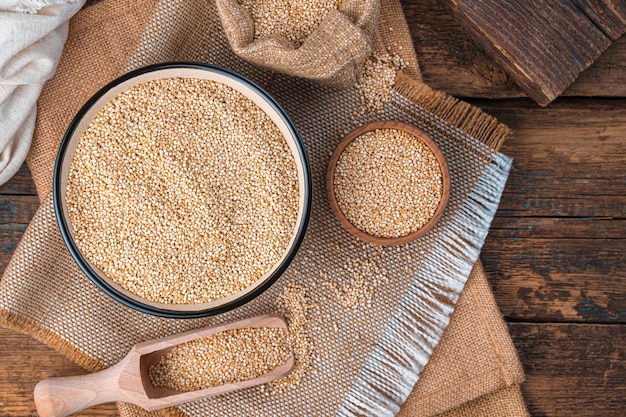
(388, 183)
(182, 190)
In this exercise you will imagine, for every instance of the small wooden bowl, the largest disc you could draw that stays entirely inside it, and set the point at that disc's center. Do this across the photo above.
(330, 180)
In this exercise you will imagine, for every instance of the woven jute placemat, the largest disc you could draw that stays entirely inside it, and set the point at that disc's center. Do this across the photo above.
(371, 365)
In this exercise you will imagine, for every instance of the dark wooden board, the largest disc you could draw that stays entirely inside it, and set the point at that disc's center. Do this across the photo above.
(557, 248)
(608, 15)
(589, 228)
(558, 280)
(21, 183)
(573, 369)
(543, 45)
(25, 362)
(451, 61)
(17, 208)
(18, 204)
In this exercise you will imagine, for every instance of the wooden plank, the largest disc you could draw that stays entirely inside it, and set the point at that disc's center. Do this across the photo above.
(16, 211)
(18, 208)
(609, 16)
(25, 362)
(21, 183)
(593, 179)
(568, 159)
(618, 8)
(558, 280)
(451, 61)
(572, 369)
(557, 247)
(542, 45)
(538, 203)
(10, 236)
(604, 78)
(548, 227)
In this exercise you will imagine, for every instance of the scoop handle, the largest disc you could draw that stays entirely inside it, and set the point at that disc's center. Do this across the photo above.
(60, 397)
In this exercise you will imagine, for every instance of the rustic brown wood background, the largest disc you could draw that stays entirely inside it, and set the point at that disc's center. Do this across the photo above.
(543, 45)
(556, 252)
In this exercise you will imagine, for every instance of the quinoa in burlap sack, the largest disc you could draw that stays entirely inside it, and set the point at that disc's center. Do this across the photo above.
(332, 54)
(366, 360)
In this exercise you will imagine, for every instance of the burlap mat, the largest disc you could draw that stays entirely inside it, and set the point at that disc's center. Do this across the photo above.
(474, 364)
(44, 294)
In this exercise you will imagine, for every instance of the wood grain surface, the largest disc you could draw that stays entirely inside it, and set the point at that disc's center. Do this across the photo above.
(555, 254)
(24, 363)
(451, 61)
(572, 369)
(542, 45)
(557, 247)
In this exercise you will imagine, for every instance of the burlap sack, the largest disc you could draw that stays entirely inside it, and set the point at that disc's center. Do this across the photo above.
(454, 379)
(332, 55)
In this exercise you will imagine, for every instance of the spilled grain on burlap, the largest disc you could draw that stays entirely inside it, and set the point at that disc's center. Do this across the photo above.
(367, 359)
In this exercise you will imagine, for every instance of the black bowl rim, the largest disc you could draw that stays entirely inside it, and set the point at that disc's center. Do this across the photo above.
(122, 298)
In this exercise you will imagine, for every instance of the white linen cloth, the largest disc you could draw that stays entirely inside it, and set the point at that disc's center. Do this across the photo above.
(32, 35)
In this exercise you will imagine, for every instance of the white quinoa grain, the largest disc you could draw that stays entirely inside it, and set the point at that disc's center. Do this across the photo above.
(388, 183)
(376, 83)
(223, 358)
(182, 191)
(359, 281)
(293, 19)
(294, 304)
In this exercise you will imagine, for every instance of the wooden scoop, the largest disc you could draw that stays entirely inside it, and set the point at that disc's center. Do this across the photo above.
(129, 381)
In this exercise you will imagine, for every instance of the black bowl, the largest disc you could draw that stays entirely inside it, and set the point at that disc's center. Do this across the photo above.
(191, 70)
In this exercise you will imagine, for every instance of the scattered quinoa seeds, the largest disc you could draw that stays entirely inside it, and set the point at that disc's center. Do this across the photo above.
(388, 183)
(295, 305)
(223, 358)
(182, 191)
(376, 83)
(360, 280)
(293, 19)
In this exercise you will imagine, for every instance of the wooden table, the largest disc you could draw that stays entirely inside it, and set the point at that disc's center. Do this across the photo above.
(556, 252)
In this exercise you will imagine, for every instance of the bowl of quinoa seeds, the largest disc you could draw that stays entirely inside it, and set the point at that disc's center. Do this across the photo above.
(182, 190)
(388, 183)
